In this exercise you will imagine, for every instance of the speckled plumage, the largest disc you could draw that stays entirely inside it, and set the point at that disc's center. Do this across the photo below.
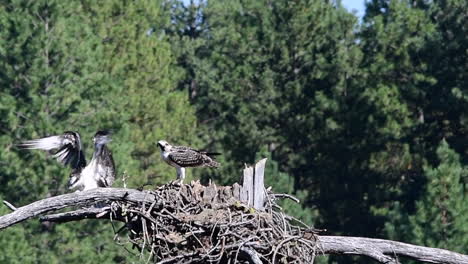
(182, 157)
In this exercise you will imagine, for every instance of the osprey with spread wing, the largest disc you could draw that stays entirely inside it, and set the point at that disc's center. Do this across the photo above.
(67, 149)
(182, 157)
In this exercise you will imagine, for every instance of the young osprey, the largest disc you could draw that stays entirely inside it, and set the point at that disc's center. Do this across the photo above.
(182, 157)
(67, 149)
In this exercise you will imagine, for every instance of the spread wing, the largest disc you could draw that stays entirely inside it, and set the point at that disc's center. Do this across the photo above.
(106, 167)
(65, 148)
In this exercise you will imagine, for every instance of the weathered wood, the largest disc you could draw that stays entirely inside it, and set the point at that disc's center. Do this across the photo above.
(247, 186)
(236, 191)
(210, 194)
(73, 199)
(80, 214)
(384, 251)
(252, 192)
(9, 205)
(259, 185)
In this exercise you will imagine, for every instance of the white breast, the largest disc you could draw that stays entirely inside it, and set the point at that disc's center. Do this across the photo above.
(165, 155)
(88, 176)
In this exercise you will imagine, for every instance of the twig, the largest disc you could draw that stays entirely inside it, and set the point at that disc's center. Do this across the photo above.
(252, 254)
(175, 224)
(283, 195)
(9, 205)
(281, 244)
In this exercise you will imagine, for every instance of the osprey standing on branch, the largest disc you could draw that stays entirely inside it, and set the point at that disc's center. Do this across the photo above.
(182, 157)
(67, 149)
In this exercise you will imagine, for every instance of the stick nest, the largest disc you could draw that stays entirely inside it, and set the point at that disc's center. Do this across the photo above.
(191, 223)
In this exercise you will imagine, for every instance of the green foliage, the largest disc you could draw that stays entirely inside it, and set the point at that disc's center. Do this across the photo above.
(281, 182)
(349, 115)
(85, 66)
(441, 214)
(14, 240)
(139, 61)
(291, 76)
(47, 243)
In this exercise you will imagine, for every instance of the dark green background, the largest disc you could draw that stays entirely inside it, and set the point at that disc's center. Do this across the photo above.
(365, 121)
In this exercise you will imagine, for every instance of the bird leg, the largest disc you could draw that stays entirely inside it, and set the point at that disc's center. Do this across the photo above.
(180, 175)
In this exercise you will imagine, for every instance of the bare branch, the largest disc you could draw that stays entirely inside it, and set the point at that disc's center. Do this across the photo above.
(73, 199)
(385, 251)
(86, 213)
(172, 216)
(9, 205)
(284, 195)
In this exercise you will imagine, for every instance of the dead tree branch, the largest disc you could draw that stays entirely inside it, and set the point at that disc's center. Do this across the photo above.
(73, 199)
(386, 251)
(208, 224)
(77, 215)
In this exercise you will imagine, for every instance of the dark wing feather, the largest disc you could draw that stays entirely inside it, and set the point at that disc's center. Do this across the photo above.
(211, 154)
(65, 148)
(183, 148)
(106, 161)
(186, 158)
(190, 157)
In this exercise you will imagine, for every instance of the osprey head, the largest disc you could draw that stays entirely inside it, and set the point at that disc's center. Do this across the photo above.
(102, 137)
(164, 146)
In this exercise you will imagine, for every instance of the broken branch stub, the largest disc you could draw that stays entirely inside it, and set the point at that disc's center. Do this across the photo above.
(253, 187)
(201, 224)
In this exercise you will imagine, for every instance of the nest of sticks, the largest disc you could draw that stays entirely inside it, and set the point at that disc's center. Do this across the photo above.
(192, 223)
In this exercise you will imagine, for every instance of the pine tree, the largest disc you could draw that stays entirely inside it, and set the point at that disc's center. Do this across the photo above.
(83, 66)
(288, 77)
(441, 215)
(138, 57)
(47, 80)
(387, 119)
(246, 83)
(412, 45)
(446, 100)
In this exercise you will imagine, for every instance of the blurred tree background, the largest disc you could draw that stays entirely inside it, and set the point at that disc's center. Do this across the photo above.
(364, 120)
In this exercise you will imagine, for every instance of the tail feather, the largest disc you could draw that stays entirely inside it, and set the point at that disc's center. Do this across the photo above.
(209, 159)
(213, 164)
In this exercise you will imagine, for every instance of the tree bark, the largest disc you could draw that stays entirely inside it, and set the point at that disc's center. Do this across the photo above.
(384, 251)
(73, 199)
(387, 251)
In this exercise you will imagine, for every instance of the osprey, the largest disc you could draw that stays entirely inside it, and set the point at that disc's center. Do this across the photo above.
(67, 149)
(182, 157)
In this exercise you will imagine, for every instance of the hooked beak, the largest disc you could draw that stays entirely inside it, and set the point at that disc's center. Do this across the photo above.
(160, 146)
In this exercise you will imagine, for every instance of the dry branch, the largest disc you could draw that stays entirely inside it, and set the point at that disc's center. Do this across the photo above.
(207, 224)
(72, 199)
(381, 250)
